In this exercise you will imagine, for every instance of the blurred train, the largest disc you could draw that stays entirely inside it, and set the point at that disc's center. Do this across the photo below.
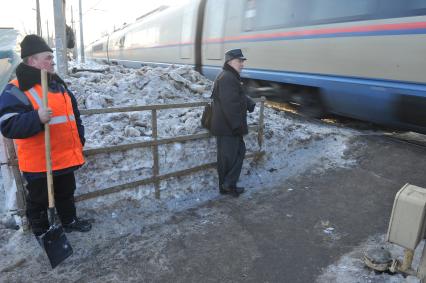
(364, 59)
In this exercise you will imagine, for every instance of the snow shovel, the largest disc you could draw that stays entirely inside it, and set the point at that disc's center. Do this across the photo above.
(54, 241)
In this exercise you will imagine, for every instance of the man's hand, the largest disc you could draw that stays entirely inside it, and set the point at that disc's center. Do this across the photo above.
(45, 115)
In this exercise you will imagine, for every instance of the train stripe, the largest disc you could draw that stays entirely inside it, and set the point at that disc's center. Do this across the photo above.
(352, 31)
(370, 30)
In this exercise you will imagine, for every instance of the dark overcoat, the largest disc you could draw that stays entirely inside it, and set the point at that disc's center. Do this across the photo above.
(230, 104)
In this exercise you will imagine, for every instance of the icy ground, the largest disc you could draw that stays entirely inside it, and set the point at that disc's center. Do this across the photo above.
(350, 267)
(292, 146)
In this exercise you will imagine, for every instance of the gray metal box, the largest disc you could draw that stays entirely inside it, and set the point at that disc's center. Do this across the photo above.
(406, 226)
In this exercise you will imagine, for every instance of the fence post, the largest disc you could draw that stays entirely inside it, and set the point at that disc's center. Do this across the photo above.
(260, 126)
(156, 168)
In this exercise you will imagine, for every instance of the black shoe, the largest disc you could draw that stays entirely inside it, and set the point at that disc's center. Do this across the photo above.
(224, 191)
(234, 191)
(78, 225)
(239, 190)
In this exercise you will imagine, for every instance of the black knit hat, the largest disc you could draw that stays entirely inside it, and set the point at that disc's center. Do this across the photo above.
(33, 44)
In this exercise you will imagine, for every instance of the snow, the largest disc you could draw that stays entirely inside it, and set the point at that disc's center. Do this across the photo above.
(350, 267)
(291, 147)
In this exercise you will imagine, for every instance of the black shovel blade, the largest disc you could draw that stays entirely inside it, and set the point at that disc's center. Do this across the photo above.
(56, 245)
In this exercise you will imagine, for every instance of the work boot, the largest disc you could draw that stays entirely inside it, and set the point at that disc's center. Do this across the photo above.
(234, 191)
(224, 191)
(78, 225)
(239, 190)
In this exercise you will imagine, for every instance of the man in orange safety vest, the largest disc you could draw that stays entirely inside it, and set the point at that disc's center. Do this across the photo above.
(22, 119)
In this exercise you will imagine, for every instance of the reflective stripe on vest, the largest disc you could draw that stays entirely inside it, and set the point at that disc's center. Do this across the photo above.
(61, 119)
(35, 96)
(66, 147)
(54, 120)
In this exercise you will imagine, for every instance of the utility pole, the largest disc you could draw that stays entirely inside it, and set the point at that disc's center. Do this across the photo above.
(74, 50)
(48, 34)
(39, 32)
(81, 34)
(60, 37)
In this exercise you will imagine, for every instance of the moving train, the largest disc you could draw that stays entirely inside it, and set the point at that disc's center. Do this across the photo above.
(364, 59)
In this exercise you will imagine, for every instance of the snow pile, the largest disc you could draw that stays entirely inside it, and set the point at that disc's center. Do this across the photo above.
(291, 144)
(120, 86)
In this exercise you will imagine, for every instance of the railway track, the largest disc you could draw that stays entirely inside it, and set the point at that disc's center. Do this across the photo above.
(409, 138)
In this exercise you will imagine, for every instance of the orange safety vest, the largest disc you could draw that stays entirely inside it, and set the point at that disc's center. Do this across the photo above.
(66, 147)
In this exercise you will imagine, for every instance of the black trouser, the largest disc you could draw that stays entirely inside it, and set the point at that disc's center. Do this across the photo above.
(37, 201)
(231, 151)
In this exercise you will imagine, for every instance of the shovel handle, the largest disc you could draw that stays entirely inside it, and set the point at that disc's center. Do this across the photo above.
(50, 193)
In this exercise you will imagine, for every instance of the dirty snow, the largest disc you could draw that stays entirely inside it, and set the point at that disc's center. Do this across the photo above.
(350, 267)
(292, 146)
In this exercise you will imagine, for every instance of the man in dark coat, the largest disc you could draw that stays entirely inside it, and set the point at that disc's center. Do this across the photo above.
(229, 122)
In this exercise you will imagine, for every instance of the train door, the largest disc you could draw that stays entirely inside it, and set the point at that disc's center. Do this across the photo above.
(214, 28)
(186, 39)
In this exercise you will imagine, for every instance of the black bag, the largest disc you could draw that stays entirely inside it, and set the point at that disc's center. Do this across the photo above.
(206, 118)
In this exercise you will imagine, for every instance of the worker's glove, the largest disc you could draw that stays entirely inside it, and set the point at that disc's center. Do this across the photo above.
(45, 115)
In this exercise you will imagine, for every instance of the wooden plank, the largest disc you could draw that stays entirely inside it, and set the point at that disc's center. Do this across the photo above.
(149, 143)
(20, 189)
(141, 108)
(119, 188)
(261, 122)
(114, 189)
(12, 162)
(156, 166)
(146, 107)
(122, 147)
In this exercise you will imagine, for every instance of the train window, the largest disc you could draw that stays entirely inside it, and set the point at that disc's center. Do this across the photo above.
(327, 11)
(415, 7)
(130, 39)
(415, 4)
(98, 47)
(269, 14)
(216, 18)
(142, 37)
(398, 8)
(187, 23)
(273, 14)
(250, 15)
(121, 41)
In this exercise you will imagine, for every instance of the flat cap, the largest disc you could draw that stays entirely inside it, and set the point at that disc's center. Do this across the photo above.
(234, 54)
